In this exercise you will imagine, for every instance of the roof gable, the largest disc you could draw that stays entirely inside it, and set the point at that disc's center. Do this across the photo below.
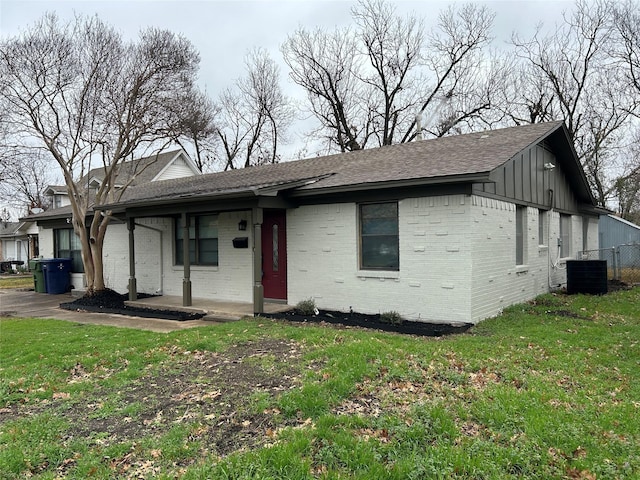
(143, 170)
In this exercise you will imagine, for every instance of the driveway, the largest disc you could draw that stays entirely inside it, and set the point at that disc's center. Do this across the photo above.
(20, 303)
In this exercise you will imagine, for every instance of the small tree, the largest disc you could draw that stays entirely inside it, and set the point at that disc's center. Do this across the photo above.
(90, 99)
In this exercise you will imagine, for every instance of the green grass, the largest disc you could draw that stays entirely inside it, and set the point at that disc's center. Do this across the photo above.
(549, 389)
(16, 281)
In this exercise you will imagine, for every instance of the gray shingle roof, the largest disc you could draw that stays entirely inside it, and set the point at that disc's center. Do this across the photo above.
(446, 158)
(8, 229)
(145, 169)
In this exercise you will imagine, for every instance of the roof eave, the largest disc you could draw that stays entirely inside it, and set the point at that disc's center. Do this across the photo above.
(121, 207)
(416, 182)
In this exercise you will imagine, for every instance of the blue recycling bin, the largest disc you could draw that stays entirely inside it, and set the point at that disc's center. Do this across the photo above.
(57, 274)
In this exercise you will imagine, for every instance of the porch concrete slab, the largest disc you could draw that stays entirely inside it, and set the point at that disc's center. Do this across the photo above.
(27, 303)
(213, 309)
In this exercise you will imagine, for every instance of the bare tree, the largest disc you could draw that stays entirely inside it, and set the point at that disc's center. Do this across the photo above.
(457, 78)
(626, 18)
(571, 75)
(24, 180)
(327, 67)
(368, 84)
(91, 99)
(253, 116)
(195, 120)
(392, 45)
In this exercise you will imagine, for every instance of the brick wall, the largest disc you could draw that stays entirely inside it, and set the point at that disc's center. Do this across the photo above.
(497, 280)
(155, 270)
(433, 282)
(231, 280)
(457, 258)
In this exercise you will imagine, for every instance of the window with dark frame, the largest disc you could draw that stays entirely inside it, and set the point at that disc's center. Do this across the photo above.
(542, 220)
(66, 244)
(565, 235)
(379, 244)
(203, 240)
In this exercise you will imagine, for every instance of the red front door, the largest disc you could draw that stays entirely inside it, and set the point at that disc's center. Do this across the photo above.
(274, 254)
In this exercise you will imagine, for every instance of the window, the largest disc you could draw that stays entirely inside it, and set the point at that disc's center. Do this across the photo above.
(521, 216)
(565, 235)
(542, 227)
(203, 240)
(379, 248)
(67, 245)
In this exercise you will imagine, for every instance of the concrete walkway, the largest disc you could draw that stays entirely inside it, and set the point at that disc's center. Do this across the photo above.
(21, 303)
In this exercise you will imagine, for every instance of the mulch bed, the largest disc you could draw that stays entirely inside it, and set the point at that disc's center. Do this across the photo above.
(109, 301)
(346, 320)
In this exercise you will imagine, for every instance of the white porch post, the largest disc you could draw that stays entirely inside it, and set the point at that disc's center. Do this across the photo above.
(186, 282)
(133, 288)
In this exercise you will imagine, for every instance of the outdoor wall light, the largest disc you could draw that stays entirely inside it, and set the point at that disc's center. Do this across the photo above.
(549, 166)
(242, 225)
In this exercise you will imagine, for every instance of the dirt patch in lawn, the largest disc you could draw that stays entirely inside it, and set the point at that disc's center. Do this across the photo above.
(213, 395)
(109, 301)
(360, 320)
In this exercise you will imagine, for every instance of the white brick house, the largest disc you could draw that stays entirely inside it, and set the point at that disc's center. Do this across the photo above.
(444, 230)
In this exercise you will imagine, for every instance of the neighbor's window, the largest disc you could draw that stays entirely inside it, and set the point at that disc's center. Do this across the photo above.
(203, 240)
(379, 248)
(565, 235)
(66, 244)
(521, 216)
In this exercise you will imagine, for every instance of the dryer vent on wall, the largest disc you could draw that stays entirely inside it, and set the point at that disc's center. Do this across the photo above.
(587, 276)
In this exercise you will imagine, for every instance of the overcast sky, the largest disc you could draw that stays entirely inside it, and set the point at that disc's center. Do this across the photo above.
(224, 31)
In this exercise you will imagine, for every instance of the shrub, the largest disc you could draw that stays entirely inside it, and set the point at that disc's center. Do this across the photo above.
(391, 317)
(306, 307)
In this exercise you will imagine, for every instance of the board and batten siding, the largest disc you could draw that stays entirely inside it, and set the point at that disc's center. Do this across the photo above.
(525, 180)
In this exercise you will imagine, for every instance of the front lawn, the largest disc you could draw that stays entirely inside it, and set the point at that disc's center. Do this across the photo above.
(550, 389)
(16, 281)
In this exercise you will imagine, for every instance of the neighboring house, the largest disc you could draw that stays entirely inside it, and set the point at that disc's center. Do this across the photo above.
(58, 195)
(444, 230)
(615, 231)
(56, 233)
(18, 243)
(620, 246)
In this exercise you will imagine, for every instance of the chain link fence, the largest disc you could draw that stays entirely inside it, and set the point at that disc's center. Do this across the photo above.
(623, 262)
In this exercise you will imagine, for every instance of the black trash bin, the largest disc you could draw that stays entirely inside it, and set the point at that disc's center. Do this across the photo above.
(57, 274)
(35, 265)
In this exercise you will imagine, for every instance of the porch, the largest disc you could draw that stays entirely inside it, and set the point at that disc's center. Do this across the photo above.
(213, 309)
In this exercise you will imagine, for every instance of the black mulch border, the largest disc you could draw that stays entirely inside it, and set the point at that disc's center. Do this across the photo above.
(346, 320)
(112, 302)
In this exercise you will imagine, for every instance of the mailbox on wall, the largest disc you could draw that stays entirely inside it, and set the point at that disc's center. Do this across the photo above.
(241, 242)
